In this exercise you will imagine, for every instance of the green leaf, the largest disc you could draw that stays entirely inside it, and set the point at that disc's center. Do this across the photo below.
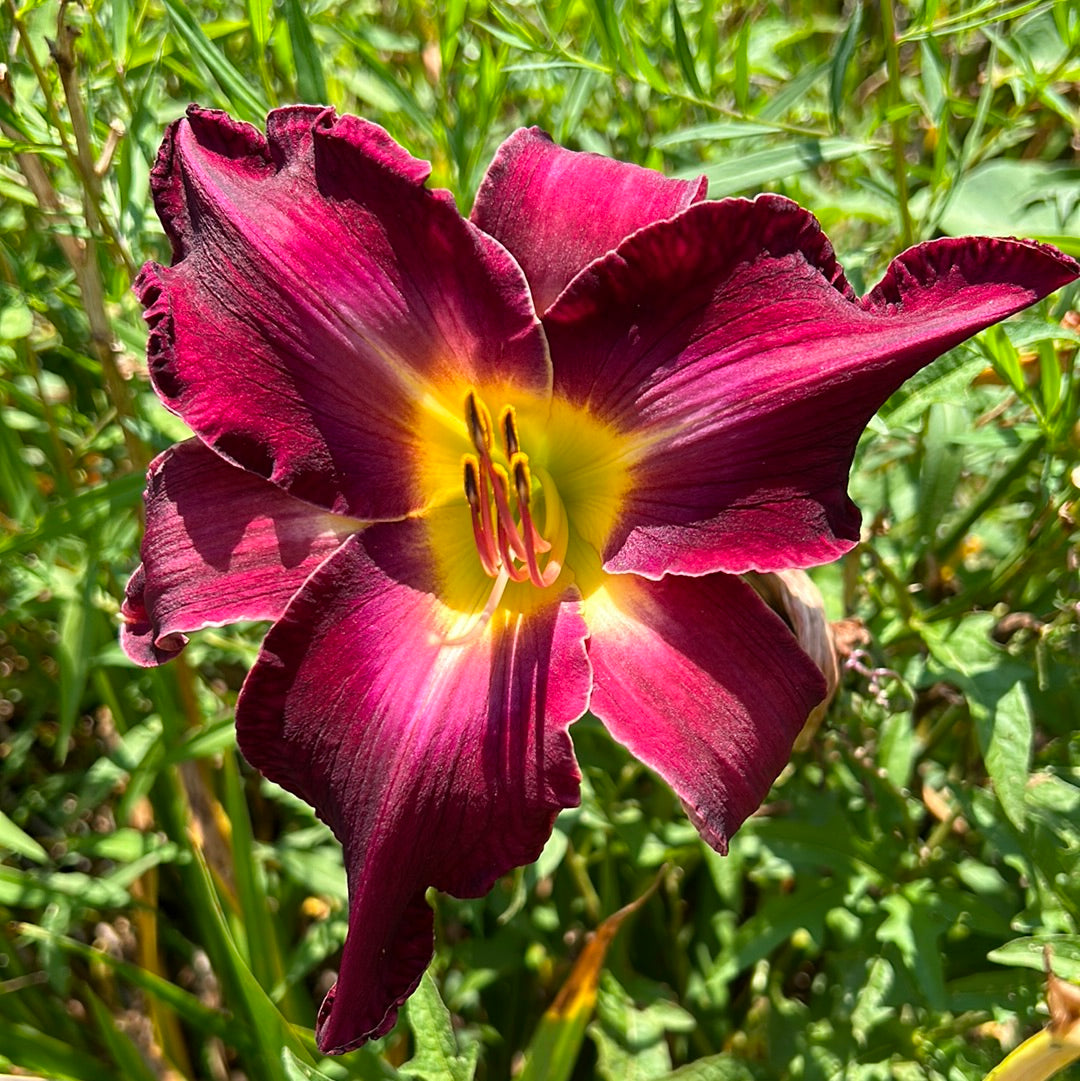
(722, 1067)
(437, 1056)
(682, 52)
(129, 1060)
(996, 697)
(16, 840)
(240, 96)
(752, 170)
(295, 1070)
(310, 81)
(841, 61)
(16, 321)
(49, 1057)
(206, 1019)
(1018, 198)
(1027, 952)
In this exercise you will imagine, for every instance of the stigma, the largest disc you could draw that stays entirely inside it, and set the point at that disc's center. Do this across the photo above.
(502, 501)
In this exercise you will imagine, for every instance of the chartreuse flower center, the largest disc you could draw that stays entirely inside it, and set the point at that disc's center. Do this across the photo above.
(538, 487)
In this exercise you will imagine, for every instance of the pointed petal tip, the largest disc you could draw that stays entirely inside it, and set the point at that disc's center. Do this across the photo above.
(433, 766)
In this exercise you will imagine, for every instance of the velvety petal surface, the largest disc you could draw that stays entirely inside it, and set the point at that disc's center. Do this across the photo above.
(729, 343)
(221, 545)
(321, 297)
(703, 683)
(435, 764)
(557, 210)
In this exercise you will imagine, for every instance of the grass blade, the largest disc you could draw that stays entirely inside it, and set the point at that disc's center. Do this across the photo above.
(310, 81)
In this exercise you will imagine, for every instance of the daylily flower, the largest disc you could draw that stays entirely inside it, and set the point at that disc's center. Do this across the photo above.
(486, 474)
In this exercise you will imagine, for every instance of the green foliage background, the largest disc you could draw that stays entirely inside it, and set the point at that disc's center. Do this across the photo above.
(165, 914)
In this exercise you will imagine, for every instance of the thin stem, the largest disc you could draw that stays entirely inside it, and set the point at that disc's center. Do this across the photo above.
(80, 253)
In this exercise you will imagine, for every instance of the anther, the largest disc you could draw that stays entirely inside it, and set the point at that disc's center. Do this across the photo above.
(479, 421)
(510, 435)
(519, 466)
(472, 482)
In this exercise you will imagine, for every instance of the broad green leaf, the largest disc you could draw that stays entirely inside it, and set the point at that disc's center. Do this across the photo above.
(437, 1055)
(295, 1070)
(999, 705)
(1027, 952)
(722, 1067)
(1018, 198)
(16, 321)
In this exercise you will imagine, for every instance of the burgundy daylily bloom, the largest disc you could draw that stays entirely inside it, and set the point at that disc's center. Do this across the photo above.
(485, 474)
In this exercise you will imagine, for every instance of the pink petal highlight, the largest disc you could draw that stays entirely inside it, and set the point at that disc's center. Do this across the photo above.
(557, 210)
(221, 545)
(728, 340)
(434, 764)
(703, 683)
(319, 292)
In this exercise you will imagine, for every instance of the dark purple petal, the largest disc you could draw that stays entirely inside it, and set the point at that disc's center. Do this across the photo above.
(702, 682)
(319, 294)
(728, 342)
(557, 210)
(435, 764)
(221, 545)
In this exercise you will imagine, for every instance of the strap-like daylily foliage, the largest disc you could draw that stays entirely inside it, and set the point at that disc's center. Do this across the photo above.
(485, 474)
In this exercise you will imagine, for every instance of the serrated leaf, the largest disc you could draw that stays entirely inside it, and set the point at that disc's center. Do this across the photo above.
(437, 1056)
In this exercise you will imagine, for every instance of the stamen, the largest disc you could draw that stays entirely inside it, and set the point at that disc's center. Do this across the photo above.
(533, 541)
(509, 545)
(500, 486)
(517, 574)
(476, 492)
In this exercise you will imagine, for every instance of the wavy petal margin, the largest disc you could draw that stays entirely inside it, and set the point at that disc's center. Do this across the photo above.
(320, 294)
(728, 342)
(557, 210)
(435, 765)
(221, 545)
(702, 682)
